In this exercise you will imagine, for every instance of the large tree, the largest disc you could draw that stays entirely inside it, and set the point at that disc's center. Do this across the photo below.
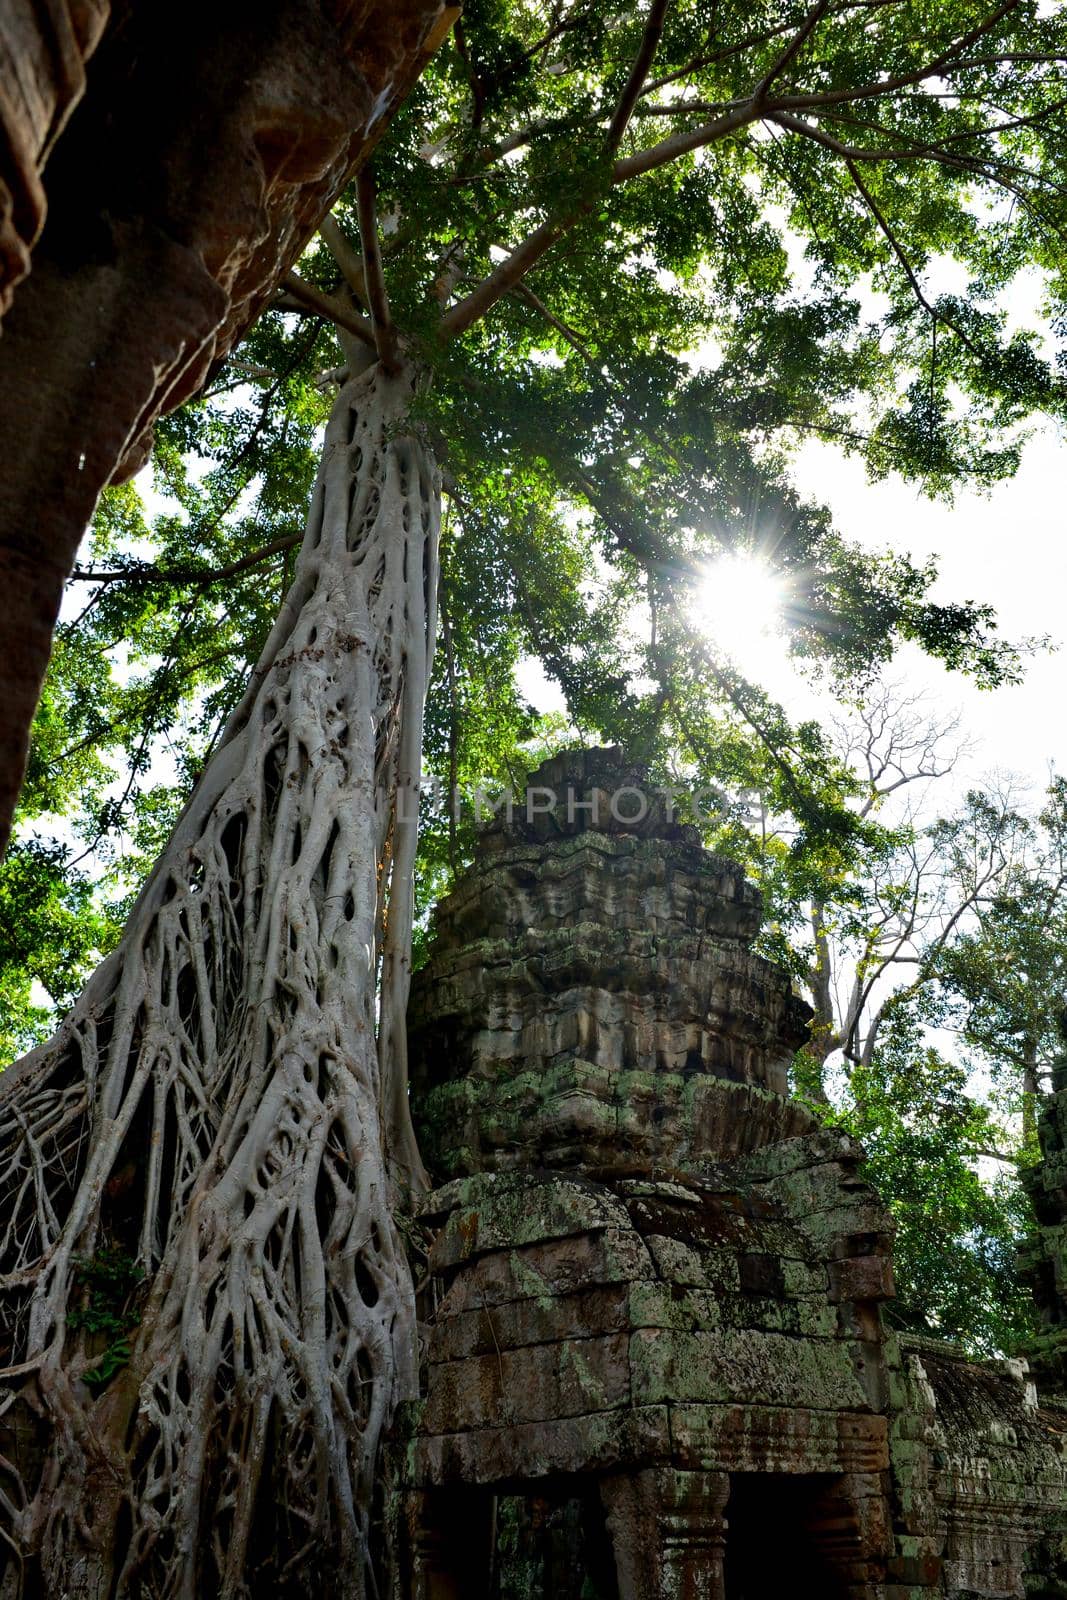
(570, 206)
(158, 195)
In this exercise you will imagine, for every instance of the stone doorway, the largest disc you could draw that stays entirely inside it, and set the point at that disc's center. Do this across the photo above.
(790, 1533)
(553, 1547)
(514, 1544)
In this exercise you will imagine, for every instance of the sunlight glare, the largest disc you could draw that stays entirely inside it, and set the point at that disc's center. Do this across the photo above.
(738, 604)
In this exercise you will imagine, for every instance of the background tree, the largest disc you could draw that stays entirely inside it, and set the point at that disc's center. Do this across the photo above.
(929, 1135)
(935, 963)
(568, 209)
(892, 912)
(1006, 976)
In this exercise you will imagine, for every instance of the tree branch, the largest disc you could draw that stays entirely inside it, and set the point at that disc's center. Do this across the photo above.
(679, 144)
(994, 168)
(510, 272)
(526, 293)
(635, 82)
(754, 108)
(526, 255)
(998, 172)
(948, 61)
(381, 318)
(186, 575)
(251, 368)
(898, 251)
(473, 78)
(323, 306)
(348, 260)
(711, 57)
(792, 49)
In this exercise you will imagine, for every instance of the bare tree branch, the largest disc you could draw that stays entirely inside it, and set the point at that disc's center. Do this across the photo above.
(348, 260)
(680, 144)
(251, 368)
(197, 576)
(510, 272)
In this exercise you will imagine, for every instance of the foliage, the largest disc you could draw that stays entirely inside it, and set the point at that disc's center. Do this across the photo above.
(51, 932)
(1005, 979)
(948, 951)
(110, 1280)
(958, 1228)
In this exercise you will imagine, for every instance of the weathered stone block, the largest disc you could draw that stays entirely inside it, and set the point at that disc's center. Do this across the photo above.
(663, 1305)
(750, 1438)
(804, 1278)
(534, 1321)
(628, 1437)
(703, 1269)
(848, 1230)
(536, 1384)
(543, 1271)
(499, 1212)
(861, 1278)
(767, 1368)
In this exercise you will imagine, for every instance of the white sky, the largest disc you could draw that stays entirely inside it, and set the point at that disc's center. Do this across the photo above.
(1007, 548)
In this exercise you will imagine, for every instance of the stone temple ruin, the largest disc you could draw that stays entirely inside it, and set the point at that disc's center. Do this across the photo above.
(656, 1366)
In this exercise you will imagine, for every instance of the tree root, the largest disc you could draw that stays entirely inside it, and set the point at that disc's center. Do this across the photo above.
(222, 1105)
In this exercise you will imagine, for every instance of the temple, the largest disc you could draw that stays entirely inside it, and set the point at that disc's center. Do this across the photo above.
(656, 1365)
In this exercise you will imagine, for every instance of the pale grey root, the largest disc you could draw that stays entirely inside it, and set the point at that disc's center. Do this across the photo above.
(222, 1104)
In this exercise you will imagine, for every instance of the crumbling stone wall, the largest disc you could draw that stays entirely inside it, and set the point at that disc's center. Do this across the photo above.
(980, 1475)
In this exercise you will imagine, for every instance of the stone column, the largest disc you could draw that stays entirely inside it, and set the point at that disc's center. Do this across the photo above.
(668, 1533)
(851, 1534)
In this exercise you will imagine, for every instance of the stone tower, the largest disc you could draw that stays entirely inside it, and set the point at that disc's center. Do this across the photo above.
(656, 1365)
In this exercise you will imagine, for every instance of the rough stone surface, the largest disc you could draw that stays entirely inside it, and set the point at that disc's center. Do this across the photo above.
(980, 1468)
(591, 999)
(653, 1317)
(207, 145)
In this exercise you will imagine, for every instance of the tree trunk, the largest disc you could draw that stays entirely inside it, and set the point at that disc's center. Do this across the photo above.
(221, 1107)
(811, 1060)
(1031, 1095)
(209, 144)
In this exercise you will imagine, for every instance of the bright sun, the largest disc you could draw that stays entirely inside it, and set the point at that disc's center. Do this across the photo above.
(737, 602)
